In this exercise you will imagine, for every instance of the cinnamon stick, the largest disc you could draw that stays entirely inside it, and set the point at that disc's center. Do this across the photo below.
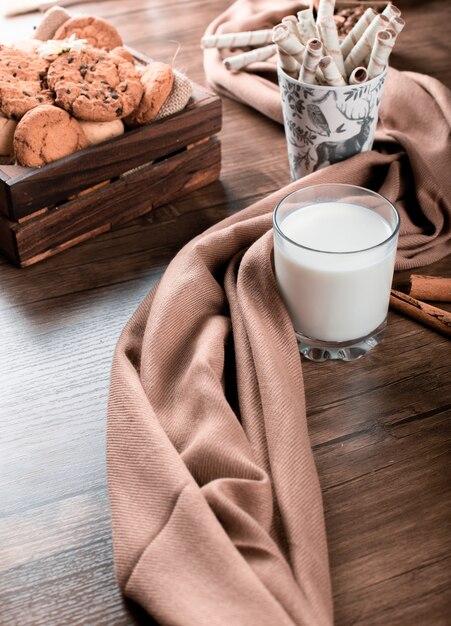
(431, 316)
(430, 288)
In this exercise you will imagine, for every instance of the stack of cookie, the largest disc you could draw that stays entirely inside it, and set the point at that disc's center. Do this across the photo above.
(76, 88)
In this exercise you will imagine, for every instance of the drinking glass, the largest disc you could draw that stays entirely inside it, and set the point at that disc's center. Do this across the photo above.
(334, 256)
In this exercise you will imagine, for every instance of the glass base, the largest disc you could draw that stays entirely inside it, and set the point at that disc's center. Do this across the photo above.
(319, 351)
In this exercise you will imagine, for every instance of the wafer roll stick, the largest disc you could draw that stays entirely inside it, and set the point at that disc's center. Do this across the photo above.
(383, 45)
(287, 63)
(288, 42)
(238, 40)
(312, 57)
(365, 44)
(331, 43)
(357, 31)
(392, 33)
(331, 72)
(292, 24)
(397, 23)
(358, 75)
(391, 11)
(306, 26)
(320, 76)
(326, 8)
(239, 61)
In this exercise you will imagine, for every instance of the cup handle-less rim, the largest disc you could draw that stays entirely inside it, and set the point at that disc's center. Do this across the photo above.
(340, 88)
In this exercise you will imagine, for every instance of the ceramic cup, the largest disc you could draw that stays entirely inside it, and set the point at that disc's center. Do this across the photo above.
(325, 125)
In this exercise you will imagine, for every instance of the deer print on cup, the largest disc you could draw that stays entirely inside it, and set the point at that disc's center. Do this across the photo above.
(330, 152)
(324, 125)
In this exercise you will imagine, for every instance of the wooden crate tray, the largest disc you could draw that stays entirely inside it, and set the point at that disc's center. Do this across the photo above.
(45, 210)
(24, 190)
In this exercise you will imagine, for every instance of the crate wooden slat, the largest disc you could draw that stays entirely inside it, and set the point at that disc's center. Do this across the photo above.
(25, 190)
(133, 194)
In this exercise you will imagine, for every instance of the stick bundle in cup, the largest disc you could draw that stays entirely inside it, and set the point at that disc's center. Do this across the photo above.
(362, 54)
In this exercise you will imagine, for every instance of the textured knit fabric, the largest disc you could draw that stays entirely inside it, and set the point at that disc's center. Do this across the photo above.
(216, 506)
(217, 515)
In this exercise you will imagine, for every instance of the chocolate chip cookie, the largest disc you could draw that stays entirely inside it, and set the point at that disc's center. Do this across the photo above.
(19, 96)
(123, 53)
(7, 129)
(157, 80)
(46, 134)
(94, 85)
(22, 82)
(21, 65)
(99, 33)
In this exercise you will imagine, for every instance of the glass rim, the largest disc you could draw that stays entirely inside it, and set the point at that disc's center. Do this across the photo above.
(278, 229)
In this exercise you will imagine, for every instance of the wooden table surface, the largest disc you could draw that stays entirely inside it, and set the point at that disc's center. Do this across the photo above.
(380, 427)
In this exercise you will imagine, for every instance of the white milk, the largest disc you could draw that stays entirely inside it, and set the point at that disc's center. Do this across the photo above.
(335, 297)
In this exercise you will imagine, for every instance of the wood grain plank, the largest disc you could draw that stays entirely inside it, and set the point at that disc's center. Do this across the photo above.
(377, 605)
(380, 426)
(42, 562)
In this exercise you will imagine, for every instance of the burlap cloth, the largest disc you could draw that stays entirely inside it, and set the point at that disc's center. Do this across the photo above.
(216, 507)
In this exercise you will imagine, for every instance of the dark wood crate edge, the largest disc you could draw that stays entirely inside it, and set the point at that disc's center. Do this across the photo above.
(8, 243)
(72, 222)
(36, 188)
(201, 97)
(5, 196)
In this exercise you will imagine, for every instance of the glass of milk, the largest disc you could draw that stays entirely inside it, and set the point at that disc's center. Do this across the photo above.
(334, 256)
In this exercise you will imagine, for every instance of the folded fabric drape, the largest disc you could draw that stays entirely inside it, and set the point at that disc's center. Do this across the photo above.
(216, 505)
(216, 508)
(251, 87)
